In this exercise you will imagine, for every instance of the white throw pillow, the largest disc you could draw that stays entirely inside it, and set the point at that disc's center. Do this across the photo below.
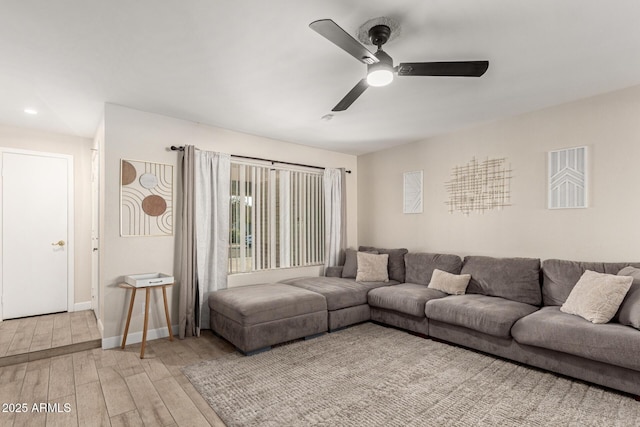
(453, 284)
(372, 268)
(597, 296)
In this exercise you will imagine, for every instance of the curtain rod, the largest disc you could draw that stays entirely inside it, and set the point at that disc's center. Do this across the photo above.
(181, 148)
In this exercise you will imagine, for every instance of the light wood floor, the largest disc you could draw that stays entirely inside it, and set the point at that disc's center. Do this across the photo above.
(37, 337)
(111, 387)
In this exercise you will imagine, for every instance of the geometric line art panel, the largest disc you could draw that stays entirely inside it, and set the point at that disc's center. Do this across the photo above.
(146, 198)
(412, 190)
(567, 178)
(479, 186)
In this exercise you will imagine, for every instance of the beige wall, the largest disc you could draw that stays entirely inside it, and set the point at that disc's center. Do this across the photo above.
(137, 135)
(80, 149)
(606, 231)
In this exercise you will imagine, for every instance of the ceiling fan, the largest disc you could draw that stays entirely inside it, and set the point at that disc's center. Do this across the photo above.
(380, 69)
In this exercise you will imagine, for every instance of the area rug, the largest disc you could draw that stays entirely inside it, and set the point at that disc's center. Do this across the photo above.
(369, 375)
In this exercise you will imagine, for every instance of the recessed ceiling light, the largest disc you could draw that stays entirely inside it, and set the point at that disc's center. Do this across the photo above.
(31, 111)
(327, 117)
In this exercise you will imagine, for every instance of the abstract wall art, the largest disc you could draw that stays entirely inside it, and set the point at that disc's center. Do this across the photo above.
(412, 190)
(479, 186)
(146, 198)
(568, 178)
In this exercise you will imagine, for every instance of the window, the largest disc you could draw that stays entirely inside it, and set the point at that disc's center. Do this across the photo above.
(277, 218)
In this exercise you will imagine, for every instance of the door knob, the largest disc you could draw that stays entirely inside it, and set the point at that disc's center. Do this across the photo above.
(58, 243)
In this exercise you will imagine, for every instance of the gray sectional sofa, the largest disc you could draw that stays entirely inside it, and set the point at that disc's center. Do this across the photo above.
(511, 309)
(347, 300)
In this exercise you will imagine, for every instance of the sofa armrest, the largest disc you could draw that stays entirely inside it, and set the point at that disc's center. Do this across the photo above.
(333, 271)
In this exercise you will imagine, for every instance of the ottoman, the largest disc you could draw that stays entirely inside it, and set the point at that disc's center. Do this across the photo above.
(253, 318)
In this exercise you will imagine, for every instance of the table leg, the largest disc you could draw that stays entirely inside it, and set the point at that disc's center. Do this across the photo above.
(126, 328)
(146, 322)
(166, 312)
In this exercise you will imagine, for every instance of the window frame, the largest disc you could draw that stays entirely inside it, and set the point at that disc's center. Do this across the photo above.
(276, 218)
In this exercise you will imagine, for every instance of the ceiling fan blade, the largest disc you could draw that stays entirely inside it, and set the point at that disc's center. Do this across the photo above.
(453, 69)
(352, 96)
(335, 34)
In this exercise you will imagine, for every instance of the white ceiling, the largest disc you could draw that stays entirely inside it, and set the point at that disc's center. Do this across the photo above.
(255, 66)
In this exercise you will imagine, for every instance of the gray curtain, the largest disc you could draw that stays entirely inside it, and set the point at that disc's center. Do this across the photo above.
(206, 186)
(188, 278)
(335, 216)
(212, 198)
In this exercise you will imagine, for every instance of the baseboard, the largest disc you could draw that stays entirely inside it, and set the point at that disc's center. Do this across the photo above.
(81, 306)
(136, 337)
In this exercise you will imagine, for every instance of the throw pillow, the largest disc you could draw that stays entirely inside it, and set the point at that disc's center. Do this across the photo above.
(597, 296)
(396, 261)
(629, 313)
(452, 284)
(350, 268)
(372, 267)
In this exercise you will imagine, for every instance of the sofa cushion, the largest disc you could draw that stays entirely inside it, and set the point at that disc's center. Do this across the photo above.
(339, 292)
(396, 261)
(597, 296)
(629, 312)
(554, 330)
(350, 268)
(408, 298)
(251, 305)
(516, 279)
(333, 271)
(452, 284)
(420, 266)
(489, 315)
(560, 276)
(372, 268)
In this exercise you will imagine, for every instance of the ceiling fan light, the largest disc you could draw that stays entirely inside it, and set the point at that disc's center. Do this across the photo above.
(380, 77)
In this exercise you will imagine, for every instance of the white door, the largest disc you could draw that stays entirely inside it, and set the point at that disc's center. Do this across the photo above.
(95, 232)
(35, 235)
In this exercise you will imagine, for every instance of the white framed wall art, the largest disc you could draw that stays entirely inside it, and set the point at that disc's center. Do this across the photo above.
(146, 198)
(567, 180)
(412, 192)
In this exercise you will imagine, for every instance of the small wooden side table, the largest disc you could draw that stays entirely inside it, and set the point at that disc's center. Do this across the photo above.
(146, 312)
